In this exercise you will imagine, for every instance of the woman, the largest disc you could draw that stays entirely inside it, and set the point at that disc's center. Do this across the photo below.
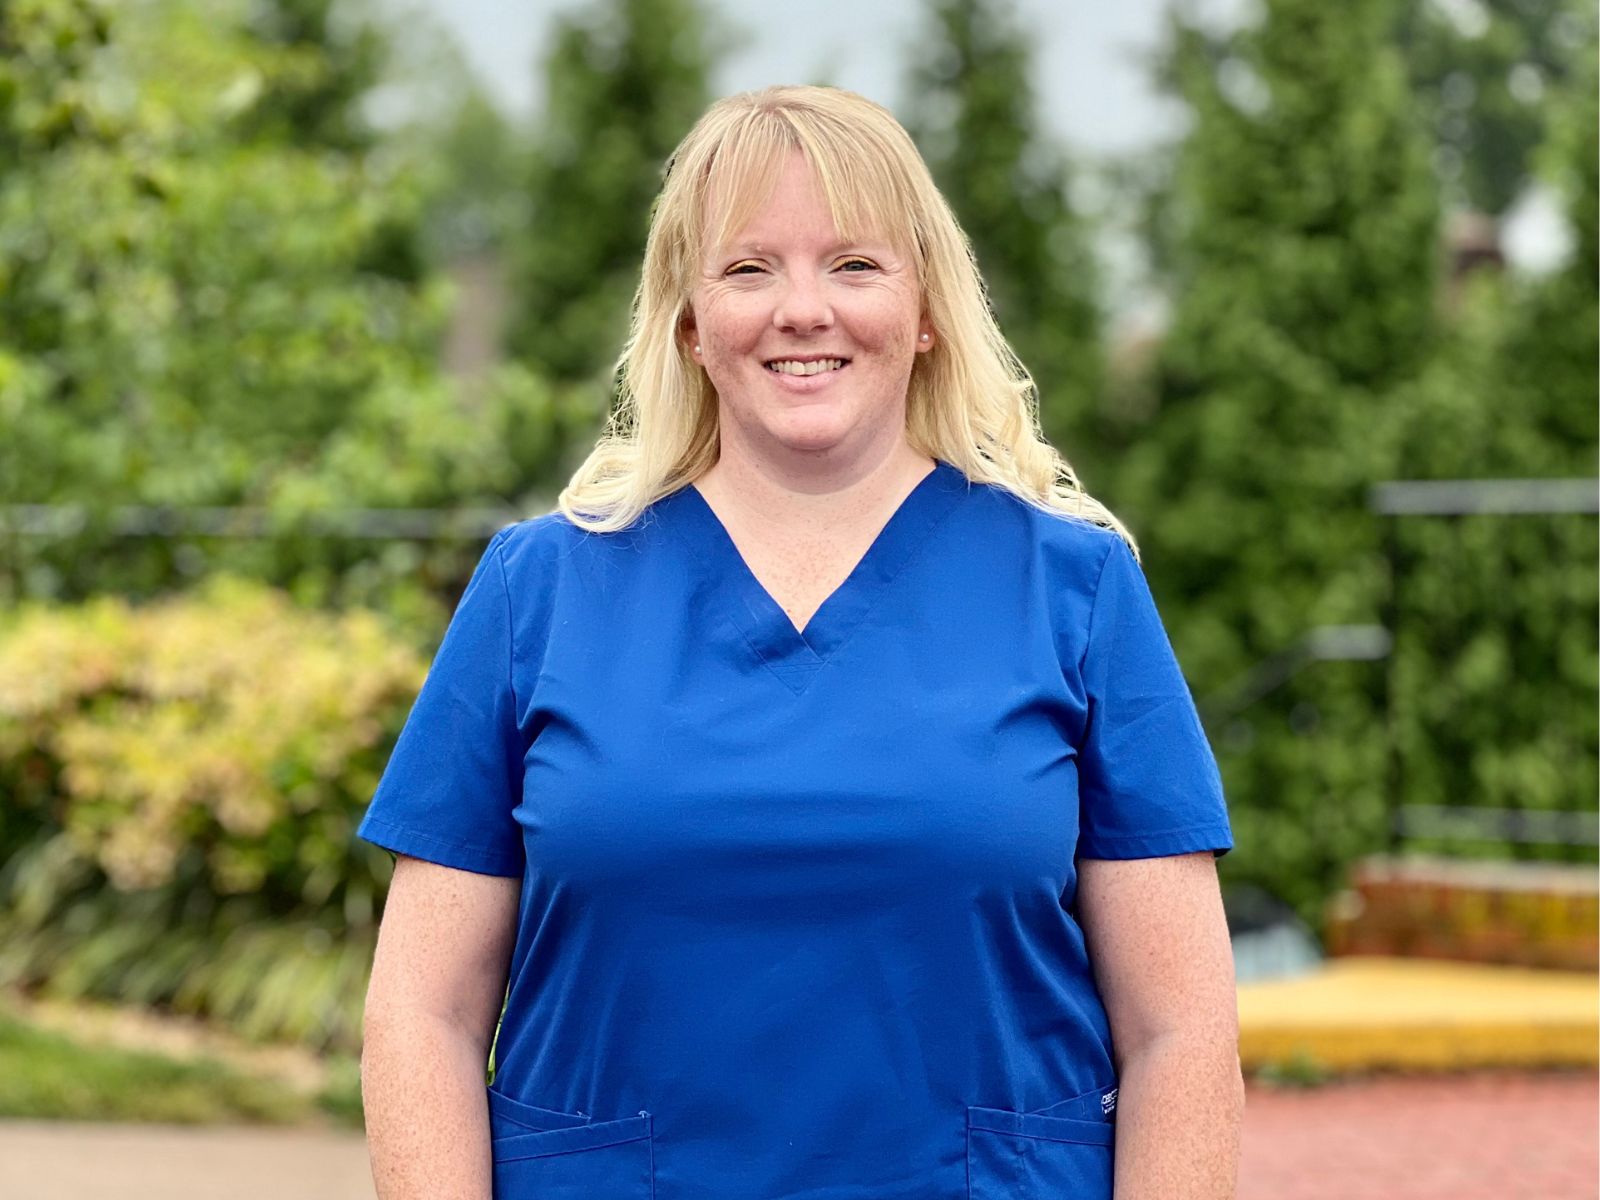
(819, 777)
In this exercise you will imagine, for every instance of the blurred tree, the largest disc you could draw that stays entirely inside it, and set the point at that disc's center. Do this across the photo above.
(1556, 338)
(197, 311)
(1481, 70)
(45, 52)
(1496, 656)
(326, 61)
(470, 158)
(624, 81)
(1304, 263)
(973, 114)
(477, 160)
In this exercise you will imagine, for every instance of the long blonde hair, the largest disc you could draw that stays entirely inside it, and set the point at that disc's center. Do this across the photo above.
(970, 400)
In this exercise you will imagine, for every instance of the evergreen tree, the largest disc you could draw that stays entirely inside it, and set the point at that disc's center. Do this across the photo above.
(1557, 337)
(973, 115)
(1482, 72)
(194, 312)
(1496, 659)
(326, 69)
(1304, 265)
(625, 79)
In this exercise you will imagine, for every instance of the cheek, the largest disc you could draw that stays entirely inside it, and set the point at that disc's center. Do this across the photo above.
(897, 339)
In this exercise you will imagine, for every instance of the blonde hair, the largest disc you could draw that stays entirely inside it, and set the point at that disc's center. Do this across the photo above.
(970, 400)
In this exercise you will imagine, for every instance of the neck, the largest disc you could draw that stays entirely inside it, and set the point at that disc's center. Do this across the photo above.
(813, 493)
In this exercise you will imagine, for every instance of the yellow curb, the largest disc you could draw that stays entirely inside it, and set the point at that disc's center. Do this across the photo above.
(1367, 1012)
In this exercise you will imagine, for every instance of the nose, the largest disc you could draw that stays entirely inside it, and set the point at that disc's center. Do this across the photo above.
(802, 307)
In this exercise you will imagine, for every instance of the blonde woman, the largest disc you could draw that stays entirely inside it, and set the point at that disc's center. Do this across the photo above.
(816, 790)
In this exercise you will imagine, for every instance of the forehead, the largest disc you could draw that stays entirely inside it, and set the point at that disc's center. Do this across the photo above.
(756, 200)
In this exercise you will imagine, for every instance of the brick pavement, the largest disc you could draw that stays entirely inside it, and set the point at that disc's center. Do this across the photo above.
(1499, 1135)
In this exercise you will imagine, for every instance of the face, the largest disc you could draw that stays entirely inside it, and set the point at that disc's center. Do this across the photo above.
(808, 340)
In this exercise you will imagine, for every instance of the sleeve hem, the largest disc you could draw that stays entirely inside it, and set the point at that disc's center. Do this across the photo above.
(449, 854)
(1216, 838)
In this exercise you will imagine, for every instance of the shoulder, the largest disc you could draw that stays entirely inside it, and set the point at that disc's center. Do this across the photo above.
(536, 541)
(550, 541)
(1070, 549)
(546, 553)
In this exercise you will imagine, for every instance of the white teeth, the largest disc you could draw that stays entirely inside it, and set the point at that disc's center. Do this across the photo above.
(790, 367)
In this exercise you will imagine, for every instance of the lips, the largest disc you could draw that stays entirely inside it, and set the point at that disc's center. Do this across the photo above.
(803, 367)
(813, 380)
(807, 365)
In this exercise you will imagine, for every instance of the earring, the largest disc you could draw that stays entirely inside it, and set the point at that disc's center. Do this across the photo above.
(697, 347)
(924, 337)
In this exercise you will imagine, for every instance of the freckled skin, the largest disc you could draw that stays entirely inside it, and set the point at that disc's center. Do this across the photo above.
(438, 975)
(788, 286)
(805, 480)
(1157, 937)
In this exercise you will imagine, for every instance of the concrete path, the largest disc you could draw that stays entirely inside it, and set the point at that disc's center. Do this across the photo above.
(1360, 1013)
(59, 1160)
(1484, 1136)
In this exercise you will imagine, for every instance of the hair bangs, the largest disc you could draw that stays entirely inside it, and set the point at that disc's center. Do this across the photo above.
(864, 197)
(740, 178)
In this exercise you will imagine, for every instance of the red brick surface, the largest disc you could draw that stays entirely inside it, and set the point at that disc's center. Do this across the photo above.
(1497, 1135)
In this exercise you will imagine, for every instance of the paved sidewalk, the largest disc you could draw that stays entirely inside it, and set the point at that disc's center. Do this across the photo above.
(61, 1160)
(1485, 1136)
(1473, 1137)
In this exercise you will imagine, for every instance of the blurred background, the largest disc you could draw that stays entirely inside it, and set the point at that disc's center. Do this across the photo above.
(300, 300)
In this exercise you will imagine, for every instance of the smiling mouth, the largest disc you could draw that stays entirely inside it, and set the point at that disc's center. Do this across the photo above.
(789, 366)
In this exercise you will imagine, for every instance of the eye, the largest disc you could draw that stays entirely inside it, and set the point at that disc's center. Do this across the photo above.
(737, 268)
(858, 262)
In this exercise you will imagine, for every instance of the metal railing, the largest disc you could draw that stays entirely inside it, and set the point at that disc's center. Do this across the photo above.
(146, 520)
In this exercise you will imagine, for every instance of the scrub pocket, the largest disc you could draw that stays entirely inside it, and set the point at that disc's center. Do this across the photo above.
(1034, 1156)
(541, 1154)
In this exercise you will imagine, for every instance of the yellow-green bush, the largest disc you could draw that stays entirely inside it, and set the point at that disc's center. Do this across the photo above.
(181, 782)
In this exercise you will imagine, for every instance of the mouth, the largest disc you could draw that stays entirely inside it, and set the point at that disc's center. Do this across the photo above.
(805, 366)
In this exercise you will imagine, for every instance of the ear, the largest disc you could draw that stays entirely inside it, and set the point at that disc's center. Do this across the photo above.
(925, 335)
(688, 333)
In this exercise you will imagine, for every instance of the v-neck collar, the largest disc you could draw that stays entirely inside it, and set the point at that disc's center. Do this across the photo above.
(793, 656)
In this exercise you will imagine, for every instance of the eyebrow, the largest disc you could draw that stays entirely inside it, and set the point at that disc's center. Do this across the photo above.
(756, 248)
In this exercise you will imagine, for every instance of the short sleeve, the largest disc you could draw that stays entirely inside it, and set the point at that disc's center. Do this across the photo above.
(1148, 783)
(449, 788)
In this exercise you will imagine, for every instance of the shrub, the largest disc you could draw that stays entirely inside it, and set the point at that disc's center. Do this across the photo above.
(182, 782)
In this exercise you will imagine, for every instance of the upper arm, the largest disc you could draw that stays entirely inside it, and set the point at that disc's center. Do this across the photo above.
(1148, 784)
(451, 786)
(444, 945)
(1157, 939)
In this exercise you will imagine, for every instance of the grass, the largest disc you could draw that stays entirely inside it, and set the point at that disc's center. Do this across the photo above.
(47, 1075)
(1302, 1069)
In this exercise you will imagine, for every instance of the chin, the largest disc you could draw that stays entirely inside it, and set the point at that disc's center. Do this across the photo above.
(816, 429)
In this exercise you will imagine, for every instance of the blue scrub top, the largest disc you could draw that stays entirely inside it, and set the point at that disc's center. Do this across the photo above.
(798, 916)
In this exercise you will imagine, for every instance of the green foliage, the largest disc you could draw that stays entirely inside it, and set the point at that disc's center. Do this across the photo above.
(340, 1096)
(476, 164)
(316, 102)
(184, 782)
(49, 1076)
(1304, 263)
(199, 305)
(974, 119)
(624, 81)
(1300, 1071)
(1495, 667)
(1481, 73)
